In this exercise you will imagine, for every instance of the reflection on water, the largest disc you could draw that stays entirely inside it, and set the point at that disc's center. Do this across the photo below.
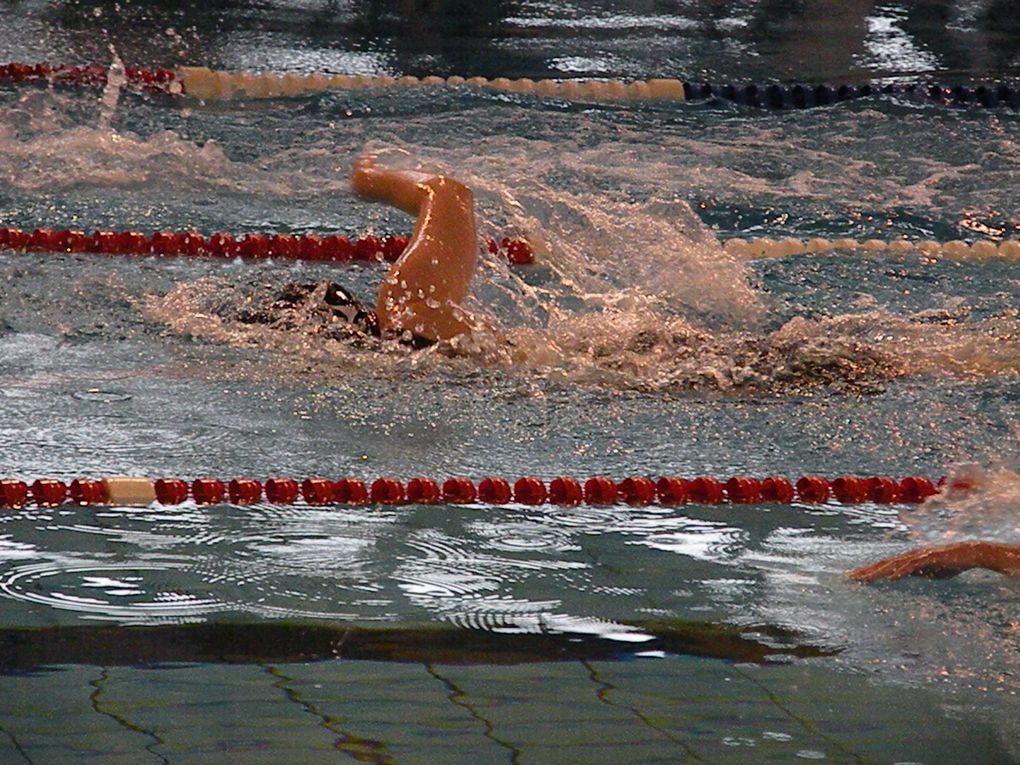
(28, 649)
(773, 39)
(575, 570)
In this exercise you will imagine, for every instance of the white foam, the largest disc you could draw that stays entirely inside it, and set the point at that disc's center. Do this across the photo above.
(980, 502)
(43, 150)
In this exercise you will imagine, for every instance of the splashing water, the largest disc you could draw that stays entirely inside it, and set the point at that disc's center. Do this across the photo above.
(619, 347)
(632, 290)
(109, 159)
(979, 503)
(610, 240)
(116, 78)
(44, 149)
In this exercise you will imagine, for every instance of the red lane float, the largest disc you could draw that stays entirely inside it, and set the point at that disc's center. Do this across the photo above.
(423, 491)
(317, 491)
(530, 491)
(849, 490)
(777, 489)
(92, 75)
(565, 490)
(743, 490)
(350, 491)
(171, 491)
(492, 490)
(13, 493)
(671, 490)
(916, 489)
(245, 491)
(387, 491)
(882, 489)
(281, 491)
(600, 490)
(332, 248)
(812, 489)
(85, 491)
(208, 491)
(705, 490)
(48, 492)
(459, 491)
(637, 490)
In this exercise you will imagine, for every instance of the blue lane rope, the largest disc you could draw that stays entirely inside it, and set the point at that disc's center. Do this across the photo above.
(804, 96)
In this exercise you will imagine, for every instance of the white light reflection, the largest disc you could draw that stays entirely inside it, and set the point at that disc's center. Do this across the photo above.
(584, 64)
(266, 58)
(609, 21)
(458, 583)
(702, 540)
(890, 48)
(11, 550)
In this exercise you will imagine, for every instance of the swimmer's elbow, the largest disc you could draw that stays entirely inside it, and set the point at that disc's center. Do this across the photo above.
(451, 186)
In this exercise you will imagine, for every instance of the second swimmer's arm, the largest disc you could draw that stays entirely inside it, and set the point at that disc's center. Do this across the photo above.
(424, 289)
(944, 561)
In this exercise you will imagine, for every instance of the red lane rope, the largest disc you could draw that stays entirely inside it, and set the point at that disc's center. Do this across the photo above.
(92, 75)
(493, 490)
(331, 248)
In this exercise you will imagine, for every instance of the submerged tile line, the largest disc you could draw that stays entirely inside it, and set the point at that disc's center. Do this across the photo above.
(99, 686)
(803, 722)
(598, 563)
(355, 747)
(17, 745)
(645, 595)
(458, 697)
(602, 694)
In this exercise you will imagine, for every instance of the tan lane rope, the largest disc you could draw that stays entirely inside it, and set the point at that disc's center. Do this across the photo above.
(208, 85)
(765, 249)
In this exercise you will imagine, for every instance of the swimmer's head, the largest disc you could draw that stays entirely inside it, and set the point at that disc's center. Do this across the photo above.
(347, 307)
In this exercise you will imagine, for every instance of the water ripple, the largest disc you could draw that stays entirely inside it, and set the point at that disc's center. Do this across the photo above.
(60, 584)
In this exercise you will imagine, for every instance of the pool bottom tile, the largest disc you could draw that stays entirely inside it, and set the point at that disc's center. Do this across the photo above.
(641, 711)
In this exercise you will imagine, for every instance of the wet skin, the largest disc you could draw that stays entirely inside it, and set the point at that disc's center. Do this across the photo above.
(424, 290)
(944, 561)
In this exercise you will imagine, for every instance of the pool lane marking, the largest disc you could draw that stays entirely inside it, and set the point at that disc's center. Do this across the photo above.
(809, 725)
(17, 745)
(140, 491)
(255, 245)
(459, 698)
(355, 747)
(767, 249)
(602, 694)
(100, 687)
(209, 85)
(204, 83)
(372, 248)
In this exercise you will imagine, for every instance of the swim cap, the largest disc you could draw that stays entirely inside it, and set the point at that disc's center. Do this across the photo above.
(347, 307)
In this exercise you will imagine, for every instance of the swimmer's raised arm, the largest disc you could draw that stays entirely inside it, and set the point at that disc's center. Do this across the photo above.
(424, 290)
(944, 561)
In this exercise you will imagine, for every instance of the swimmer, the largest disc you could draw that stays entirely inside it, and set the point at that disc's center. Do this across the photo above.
(422, 295)
(944, 561)
(420, 300)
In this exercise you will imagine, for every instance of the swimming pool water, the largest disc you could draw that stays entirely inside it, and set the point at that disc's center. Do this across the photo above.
(512, 634)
